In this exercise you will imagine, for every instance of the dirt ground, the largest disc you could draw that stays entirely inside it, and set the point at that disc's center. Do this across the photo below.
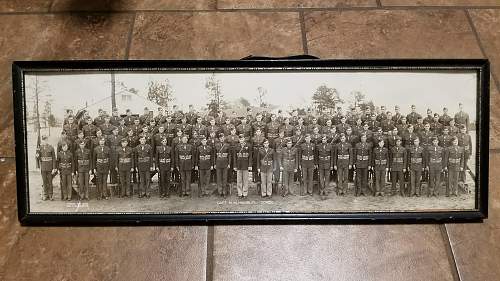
(254, 202)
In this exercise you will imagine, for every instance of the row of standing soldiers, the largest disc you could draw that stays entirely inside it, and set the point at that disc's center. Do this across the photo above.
(134, 148)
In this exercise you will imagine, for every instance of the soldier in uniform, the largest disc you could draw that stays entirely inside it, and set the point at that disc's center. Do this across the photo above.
(426, 135)
(306, 165)
(397, 115)
(99, 120)
(342, 163)
(184, 162)
(204, 165)
(257, 144)
(122, 128)
(435, 165)
(397, 165)
(416, 157)
(324, 163)
(184, 126)
(125, 166)
(115, 118)
(289, 164)
(100, 167)
(413, 116)
(298, 138)
(445, 138)
(78, 140)
(89, 130)
(66, 171)
(272, 129)
(265, 160)
(170, 129)
(242, 157)
(436, 127)
(106, 127)
(114, 142)
(129, 119)
(287, 127)
(380, 159)
(445, 118)
(144, 165)
(227, 127)
(342, 126)
(137, 127)
(164, 166)
(244, 129)
(222, 162)
(462, 118)
(409, 137)
(199, 128)
(144, 118)
(465, 142)
(454, 158)
(362, 154)
(46, 156)
(82, 169)
(159, 118)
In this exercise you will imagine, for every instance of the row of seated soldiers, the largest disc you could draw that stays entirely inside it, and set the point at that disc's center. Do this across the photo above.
(283, 159)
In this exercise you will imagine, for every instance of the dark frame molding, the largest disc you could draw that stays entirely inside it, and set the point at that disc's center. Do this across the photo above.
(480, 66)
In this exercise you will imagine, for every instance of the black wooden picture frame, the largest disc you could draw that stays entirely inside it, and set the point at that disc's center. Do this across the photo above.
(478, 66)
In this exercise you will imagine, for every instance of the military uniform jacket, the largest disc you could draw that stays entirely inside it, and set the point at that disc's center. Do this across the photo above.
(298, 140)
(445, 140)
(129, 120)
(279, 144)
(76, 144)
(115, 120)
(71, 129)
(244, 129)
(82, 160)
(157, 138)
(211, 129)
(107, 129)
(257, 142)
(306, 155)
(454, 157)
(397, 118)
(362, 155)
(343, 154)
(288, 129)
(435, 155)
(100, 159)
(412, 117)
(316, 139)
(184, 157)
(301, 127)
(398, 158)
(122, 130)
(259, 125)
(222, 155)
(242, 157)
(272, 130)
(342, 127)
(65, 162)
(204, 157)
(387, 125)
(465, 141)
(125, 158)
(169, 129)
(462, 118)
(114, 141)
(232, 140)
(200, 129)
(265, 159)
(425, 138)
(445, 120)
(185, 128)
(226, 128)
(436, 127)
(391, 141)
(324, 155)
(380, 158)
(289, 159)
(89, 131)
(164, 157)
(416, 157)
(176, 141)
(143, 157)
(408, 138)
(47, 158)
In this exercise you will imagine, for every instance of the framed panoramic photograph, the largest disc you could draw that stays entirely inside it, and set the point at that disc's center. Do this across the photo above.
(259, 139)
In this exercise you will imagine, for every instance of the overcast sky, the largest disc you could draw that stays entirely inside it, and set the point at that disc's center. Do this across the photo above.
(425, 90)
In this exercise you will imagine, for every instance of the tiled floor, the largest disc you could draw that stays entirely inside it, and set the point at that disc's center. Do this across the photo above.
(204, 29)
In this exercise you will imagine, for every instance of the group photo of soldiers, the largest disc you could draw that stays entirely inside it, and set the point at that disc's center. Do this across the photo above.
(165, 152)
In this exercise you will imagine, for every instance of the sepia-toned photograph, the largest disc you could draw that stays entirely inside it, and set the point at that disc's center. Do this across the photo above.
(265, 142)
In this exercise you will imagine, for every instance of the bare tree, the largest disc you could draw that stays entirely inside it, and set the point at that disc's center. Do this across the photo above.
(261, 97)
(215, 96)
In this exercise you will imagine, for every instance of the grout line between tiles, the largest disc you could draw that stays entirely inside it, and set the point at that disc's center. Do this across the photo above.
(298, 9)
(210, 254)
(303, 32)
(130, 35)
(481, 47)
(449, 252)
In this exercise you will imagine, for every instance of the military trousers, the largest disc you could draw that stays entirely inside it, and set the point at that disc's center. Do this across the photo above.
(379, 180)
(144, 182)
(222, 186)
(452, 186)
(361, 181)
(434, 182)
(48, 188)
(66, 188)
(164, 181)
(397, 177)
(242, 182)
(288, 180)
(185, 182)
(324, 180)
(101, 184)
(342, 179)
(124, 185)
(307, 178)
(204, 180)
(415, 182)
(83, 184)
(266, 178)
(463, 174)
